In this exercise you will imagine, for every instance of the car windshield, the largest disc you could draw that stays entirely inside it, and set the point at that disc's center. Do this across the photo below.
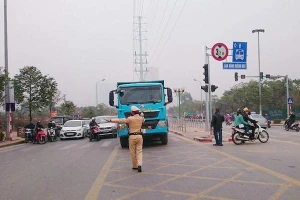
(72, 124)
(101, 120)
(256, 116)
(58, 120)
(140, 95)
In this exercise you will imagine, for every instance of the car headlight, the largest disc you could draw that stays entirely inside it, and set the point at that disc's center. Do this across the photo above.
(62, 131)
(113, 127)
(78, 129)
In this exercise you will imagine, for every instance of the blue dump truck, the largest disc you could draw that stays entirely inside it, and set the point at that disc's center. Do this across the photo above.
(151, 97)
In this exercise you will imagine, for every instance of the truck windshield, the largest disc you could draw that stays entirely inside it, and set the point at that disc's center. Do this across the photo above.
(144, 94)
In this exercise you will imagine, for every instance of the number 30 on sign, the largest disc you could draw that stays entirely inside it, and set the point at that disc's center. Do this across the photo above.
(219, 51)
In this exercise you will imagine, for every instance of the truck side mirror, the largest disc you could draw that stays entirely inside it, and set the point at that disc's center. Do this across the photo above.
(169, 94)
(111, 98)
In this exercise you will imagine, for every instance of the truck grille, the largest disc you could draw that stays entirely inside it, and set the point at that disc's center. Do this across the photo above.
(150, 123)
(152, 114)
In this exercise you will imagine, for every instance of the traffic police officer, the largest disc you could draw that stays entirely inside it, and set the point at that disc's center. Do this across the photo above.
(135, 136)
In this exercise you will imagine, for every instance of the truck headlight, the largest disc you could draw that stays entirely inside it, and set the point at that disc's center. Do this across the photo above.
(162, 123)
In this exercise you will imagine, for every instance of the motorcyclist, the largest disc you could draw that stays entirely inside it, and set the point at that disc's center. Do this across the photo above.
(228, 118)
(38, 126)
(246, 118)
(240, 120)
(291, 119)
(51, 124)
(30, 126)
(93, 123)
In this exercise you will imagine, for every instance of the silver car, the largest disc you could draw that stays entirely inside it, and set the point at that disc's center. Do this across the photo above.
(263, 122)
(107, 128)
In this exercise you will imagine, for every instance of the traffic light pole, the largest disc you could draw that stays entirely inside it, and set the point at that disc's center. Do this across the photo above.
(207, 94)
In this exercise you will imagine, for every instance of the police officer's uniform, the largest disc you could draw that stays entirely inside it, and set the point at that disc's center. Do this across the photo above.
(135, 137)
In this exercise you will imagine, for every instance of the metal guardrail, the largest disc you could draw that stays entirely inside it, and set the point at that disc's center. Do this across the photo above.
(182, 124)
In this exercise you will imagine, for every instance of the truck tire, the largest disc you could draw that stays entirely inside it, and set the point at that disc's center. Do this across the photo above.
(124, 142)
(164, 139)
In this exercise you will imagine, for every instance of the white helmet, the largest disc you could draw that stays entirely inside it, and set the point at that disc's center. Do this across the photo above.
(134, 108)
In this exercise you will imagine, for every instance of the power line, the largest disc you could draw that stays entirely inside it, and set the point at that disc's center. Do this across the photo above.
(160, 24)
(171, 31)
(142, 7)
(164, 30)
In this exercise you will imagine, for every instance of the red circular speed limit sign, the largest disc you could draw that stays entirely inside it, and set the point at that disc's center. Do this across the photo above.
(219, 51)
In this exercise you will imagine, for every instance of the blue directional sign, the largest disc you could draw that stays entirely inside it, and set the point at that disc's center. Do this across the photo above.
(290, 100)
(234, 65)
(239, 52)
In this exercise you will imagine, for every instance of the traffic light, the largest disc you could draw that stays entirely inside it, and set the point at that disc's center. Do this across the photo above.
(205, 73)
(243, 76)
(205, 88)
(236, 76)
(261, 76)
(268, 76)
(213, 88)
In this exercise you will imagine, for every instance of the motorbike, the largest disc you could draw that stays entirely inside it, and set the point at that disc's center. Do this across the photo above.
(238, 135)
(269, 123)
(40, 137)
(51, 135)
(95, 133)
(228, 123)
(294, 126)
(28, 135)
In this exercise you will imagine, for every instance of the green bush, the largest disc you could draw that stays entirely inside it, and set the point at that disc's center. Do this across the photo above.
(1, 136)
(277, 121)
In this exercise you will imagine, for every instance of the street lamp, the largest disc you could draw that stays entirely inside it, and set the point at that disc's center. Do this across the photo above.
(179, 91)
(259, 81)
(97, 90)
(201, 95)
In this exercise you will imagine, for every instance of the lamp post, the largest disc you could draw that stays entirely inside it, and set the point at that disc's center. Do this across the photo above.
(97, 90)
(179, 91)
(259, 81)
(201, 111)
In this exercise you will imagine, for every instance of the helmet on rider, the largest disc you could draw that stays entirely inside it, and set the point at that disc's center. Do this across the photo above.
(245, 109)
(93, 118)
(239, 111)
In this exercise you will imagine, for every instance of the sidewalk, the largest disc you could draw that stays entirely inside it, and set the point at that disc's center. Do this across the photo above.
(15, 140)
(201, 135)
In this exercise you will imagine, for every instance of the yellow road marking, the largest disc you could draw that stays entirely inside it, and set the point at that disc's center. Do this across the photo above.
(280, 191)
(99, 182)
(197, 196)
(253, 165)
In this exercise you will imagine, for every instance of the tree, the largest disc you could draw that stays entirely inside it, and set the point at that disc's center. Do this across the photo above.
(33, 89)
(68, 107)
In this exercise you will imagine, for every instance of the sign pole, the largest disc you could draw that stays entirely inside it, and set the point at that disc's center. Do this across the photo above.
(206, 96)
(287, 96)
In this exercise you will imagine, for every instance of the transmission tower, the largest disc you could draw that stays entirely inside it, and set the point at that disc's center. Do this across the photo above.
(140, 57)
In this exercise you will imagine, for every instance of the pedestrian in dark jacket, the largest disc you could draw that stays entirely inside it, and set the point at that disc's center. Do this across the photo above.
(216, 125)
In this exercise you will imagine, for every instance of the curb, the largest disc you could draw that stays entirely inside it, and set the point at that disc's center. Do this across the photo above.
(210, 139)
(11, 144)
(177, 133)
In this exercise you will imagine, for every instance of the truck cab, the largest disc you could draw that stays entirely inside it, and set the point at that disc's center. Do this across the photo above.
(151, 97)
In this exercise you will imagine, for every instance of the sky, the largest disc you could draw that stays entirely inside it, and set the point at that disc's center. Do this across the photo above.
(79, 43)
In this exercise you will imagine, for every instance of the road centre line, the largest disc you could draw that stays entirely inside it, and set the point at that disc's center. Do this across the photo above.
(99, 182)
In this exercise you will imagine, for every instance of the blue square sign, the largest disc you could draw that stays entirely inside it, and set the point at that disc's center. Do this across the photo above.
(239, 52)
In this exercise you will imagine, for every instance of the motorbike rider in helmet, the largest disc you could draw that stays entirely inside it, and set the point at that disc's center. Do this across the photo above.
(37, 128)
(51, 124)
(246, 118)
(240, 122)
(93, 123)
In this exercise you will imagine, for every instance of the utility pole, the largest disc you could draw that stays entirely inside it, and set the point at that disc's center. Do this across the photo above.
(259, 81)
(142, 58)
(287, 96)
(6, 71)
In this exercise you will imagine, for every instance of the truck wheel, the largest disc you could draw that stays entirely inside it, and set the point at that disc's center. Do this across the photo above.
(124, 142)
(164, 139)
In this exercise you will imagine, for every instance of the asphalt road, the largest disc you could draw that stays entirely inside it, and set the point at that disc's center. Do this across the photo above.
(183, 169)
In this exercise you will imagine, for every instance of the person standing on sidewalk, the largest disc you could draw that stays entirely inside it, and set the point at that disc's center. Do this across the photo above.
(216, 126)
(135, 123)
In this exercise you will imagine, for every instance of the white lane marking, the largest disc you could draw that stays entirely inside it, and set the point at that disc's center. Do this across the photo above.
(69, 146)
(105, 144)
(87, 145)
